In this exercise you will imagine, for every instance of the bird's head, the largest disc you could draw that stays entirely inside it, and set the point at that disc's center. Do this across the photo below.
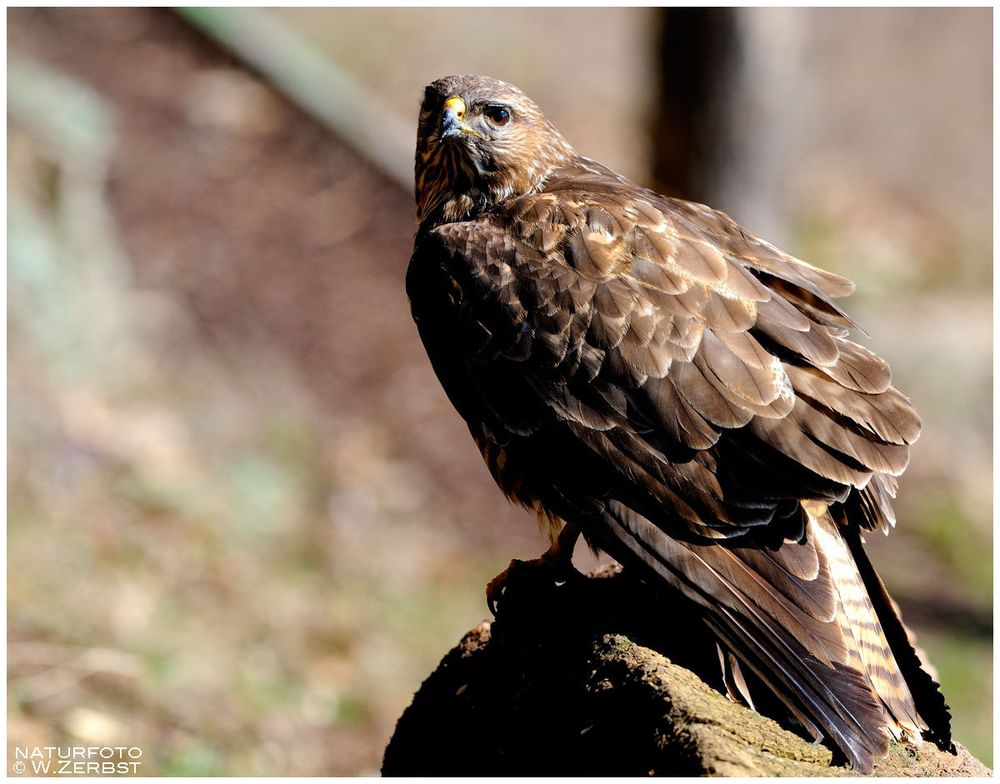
(480, 141)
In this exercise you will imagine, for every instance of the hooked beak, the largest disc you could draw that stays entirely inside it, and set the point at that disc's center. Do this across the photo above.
(451, 119)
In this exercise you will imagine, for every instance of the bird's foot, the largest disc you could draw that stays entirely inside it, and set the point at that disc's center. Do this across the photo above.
(555, 566)
(539, 568)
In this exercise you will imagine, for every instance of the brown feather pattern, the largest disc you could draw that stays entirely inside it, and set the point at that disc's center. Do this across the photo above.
(684, 392)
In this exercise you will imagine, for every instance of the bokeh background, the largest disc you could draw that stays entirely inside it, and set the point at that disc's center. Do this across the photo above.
(244, 522)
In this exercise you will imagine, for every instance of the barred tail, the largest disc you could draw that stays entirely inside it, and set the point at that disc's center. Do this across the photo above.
(924, 689)
(871, 652)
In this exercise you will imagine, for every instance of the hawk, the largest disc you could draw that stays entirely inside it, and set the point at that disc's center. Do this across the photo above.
(645, 372)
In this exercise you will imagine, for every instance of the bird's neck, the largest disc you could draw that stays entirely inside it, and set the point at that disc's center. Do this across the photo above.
(460, 206)
(466, 195)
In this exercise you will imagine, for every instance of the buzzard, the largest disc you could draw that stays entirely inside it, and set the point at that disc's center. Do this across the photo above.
(645, 372)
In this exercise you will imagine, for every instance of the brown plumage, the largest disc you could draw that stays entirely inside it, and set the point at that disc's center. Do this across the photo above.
(681, 391)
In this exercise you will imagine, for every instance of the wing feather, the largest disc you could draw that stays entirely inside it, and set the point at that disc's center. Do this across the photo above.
(690, 390)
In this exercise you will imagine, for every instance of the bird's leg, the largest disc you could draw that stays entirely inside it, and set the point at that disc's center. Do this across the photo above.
(557, 560)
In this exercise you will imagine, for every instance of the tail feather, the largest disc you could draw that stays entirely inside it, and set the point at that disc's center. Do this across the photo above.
(871, 652)
(835, 702)
(819, 633)
(733, 680)
(926, 692)
(799, 657)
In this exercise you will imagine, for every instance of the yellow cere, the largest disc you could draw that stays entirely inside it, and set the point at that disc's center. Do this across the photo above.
(457, 105)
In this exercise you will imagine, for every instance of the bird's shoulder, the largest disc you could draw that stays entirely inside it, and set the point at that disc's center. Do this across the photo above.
(602, 226)
(653, 271)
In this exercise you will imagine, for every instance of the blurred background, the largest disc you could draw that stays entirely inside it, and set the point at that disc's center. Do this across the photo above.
(244, 521)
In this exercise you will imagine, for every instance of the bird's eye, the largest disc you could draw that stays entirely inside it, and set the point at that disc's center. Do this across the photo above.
(497, 115)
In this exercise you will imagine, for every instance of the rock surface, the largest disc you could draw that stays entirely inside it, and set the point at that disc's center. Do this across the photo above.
(561, 684)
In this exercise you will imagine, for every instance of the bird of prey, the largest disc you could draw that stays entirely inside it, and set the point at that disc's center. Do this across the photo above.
(646, 372)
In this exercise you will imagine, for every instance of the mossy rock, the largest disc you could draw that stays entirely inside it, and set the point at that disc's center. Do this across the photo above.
(560, 685)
